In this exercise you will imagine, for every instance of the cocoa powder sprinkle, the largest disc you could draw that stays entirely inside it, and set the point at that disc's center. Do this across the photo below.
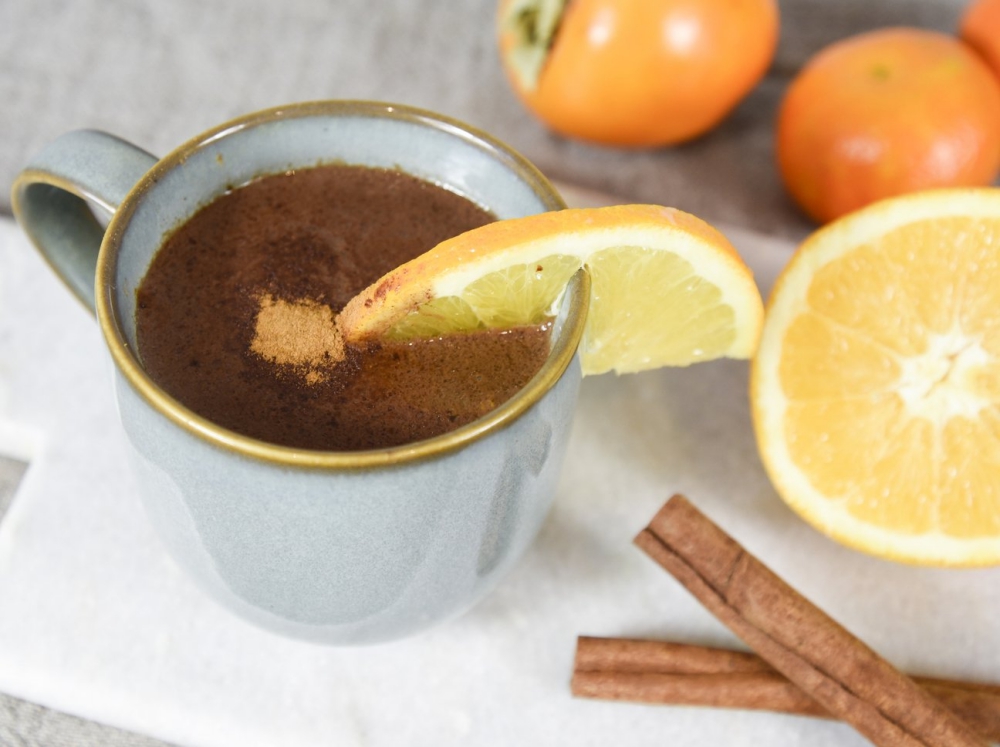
(302, 335)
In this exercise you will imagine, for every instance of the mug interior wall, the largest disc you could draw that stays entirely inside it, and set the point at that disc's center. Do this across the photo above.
(437, 152)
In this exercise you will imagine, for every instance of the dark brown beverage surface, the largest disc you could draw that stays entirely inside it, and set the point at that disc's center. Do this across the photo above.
(313, 239)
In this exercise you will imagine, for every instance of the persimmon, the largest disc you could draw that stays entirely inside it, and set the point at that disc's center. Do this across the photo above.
(886, 113)
(980, 28)
(635, 72)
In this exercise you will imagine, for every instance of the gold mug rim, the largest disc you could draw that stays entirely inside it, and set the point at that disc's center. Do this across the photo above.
(555, 365)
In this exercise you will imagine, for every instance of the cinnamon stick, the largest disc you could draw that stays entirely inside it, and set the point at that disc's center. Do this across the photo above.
(822, 658)
(682, 674)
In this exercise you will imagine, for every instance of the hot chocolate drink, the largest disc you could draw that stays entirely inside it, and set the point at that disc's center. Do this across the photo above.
(235, 315)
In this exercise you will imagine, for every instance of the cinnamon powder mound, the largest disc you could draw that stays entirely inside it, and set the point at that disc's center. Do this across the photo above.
(299, 334)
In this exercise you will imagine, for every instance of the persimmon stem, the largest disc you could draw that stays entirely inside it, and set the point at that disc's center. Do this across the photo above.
(533, 24)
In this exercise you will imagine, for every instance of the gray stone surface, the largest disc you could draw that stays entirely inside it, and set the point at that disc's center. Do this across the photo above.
(160, 72)
(24, 724)
(11, 472)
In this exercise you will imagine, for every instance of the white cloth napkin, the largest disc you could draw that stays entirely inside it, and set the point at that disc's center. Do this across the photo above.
(96, 620)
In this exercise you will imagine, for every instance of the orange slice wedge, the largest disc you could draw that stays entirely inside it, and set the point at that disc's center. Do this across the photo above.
(876, 388)
(667, 288)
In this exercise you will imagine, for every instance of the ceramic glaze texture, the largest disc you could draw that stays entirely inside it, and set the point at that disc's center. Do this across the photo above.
(350, 556)
(83, 164)
(334, 548)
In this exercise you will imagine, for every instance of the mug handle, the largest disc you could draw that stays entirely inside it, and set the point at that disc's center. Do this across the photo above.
(50, 200)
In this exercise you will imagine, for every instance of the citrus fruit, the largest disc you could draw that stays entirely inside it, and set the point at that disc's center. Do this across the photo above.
(666, 288)
(635, 72)
(876, 387)
(886, 113)
(980, 28)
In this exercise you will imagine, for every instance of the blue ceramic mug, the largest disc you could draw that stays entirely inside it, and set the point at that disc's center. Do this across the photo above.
(335, 547)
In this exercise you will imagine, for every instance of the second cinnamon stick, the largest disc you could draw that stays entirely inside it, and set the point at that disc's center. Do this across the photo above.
(664, 672)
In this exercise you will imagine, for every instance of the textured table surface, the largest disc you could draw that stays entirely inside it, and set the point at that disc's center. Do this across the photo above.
(157, 73)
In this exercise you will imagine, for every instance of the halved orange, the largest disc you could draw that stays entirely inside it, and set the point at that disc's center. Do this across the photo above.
(876, 387)
(667, 288)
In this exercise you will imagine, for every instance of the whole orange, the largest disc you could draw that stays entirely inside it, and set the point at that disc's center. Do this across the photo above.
(635, 72)
(980, 27)
(885, 113)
